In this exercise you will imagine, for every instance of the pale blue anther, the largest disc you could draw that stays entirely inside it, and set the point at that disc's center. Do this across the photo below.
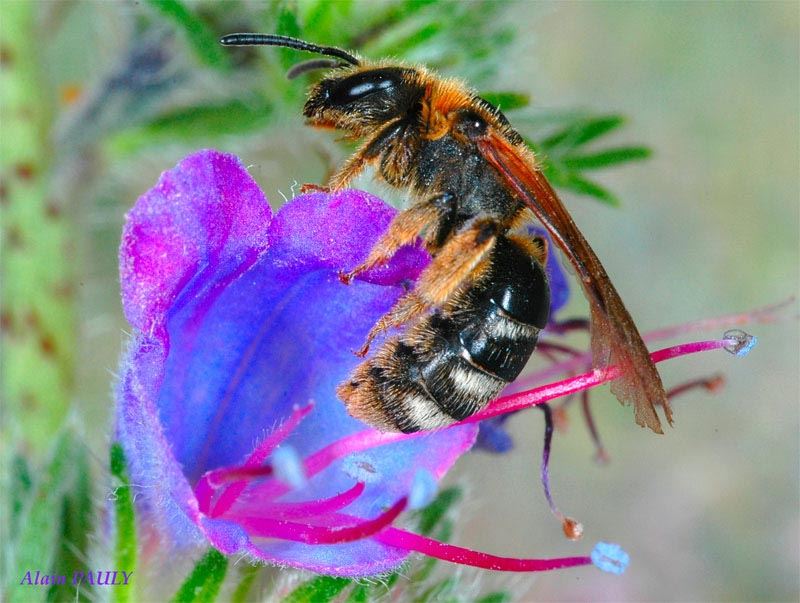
(423, 489)
(361, 467)
(740, 343)
(610, 558)
(289, 466)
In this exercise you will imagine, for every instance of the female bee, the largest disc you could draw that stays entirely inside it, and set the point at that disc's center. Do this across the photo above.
(472, 181)
(453, 361)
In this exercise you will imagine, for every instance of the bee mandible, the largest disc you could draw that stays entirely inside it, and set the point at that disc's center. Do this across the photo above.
(472, 182)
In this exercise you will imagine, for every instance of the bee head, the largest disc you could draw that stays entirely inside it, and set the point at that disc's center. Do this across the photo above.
(362, 98)
(353, 97)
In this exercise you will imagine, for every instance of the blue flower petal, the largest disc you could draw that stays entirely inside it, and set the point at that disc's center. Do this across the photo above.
(242, 318)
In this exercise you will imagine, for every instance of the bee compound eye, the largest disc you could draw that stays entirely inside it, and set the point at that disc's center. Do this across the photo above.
(472, 124)
(342, 92)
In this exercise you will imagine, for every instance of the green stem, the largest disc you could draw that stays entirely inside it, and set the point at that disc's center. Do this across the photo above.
(38, 316)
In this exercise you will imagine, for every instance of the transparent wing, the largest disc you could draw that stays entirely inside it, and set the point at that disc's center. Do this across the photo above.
(615, 338)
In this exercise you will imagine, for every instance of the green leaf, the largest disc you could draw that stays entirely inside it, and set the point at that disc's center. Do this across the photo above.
(76, 525)
(318, 590)
(288, 25)
(359, 594)
(201, 38)
(322, 18)
(423, 569)
(583, 131)
(586, 187)
(203, 583)
(605, 158)
(441, 591)
(497, 597)
(19, 489)
(192, 126)
(242, 592)
(40, 522)
(430, 516)
(403, 42)
(125, 541)
(507, 101)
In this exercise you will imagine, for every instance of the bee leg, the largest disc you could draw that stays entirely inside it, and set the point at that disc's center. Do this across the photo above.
(367, 154)
(462, 260)
(536, 247)
(406, 308)
(313, 188)
(433, 214)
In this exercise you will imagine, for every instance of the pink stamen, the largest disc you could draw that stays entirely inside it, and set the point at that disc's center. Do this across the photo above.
(322, 459)
(514, 402)
(711, 384)
(570, 324)
(313, 534)
(232, 492)
(370, 438)
(572, 528)
(766, 314)
(212, 480)
(273, 440)
(314, 508)
(552, 346)
(456, 554)
(600, 454)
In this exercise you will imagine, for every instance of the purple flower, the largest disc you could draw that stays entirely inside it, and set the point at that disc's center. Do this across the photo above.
(226, 403)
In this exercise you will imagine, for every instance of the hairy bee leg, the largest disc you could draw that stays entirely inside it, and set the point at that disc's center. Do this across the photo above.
(404, 230)
(406, 308)
(313, 188)
(536, 247)
(462, 260)
(369, 152)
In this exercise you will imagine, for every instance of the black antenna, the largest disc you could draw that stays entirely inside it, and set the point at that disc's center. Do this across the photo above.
(254, 39)
(311, 65)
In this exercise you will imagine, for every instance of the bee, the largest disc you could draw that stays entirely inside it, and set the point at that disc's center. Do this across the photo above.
(456, 359)
(473, 184)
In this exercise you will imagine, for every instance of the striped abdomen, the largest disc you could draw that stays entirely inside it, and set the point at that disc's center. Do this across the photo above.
(450, 364)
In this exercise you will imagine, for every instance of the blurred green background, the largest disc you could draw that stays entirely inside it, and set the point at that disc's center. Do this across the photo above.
(116, 92)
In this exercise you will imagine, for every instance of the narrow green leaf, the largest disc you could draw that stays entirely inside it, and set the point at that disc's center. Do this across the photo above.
(507, 101)
(76, 525)
(193, 126)
(203, 583)
(125, 541)
(287, 24)
(430, 516)
(586, 187)
(410, 39)
(582, 131)
(40, 527)
(323, 19)
(242, 592)
(423, 568)
(359, 594)
(497, 597)
(318, 590)
(605, 158)
(201, 38)
(441, 591)
(19, 490)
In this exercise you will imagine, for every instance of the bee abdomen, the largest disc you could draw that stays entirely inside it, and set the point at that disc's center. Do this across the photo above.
(453, 362)
(408, 387)
(386, 392)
